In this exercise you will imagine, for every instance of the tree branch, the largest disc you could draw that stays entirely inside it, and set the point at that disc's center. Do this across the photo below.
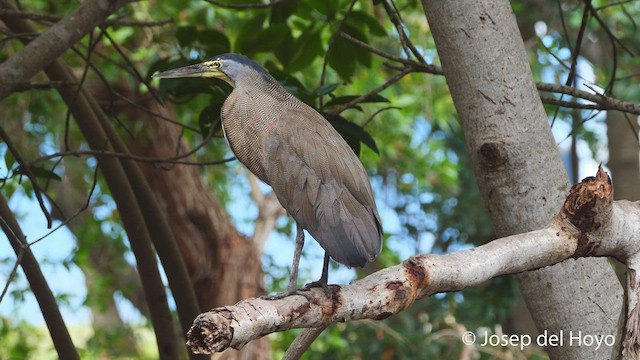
(26, 169)
(606, 103)
(589, 224)
(46, 300)
(602, 102)
(40, 52)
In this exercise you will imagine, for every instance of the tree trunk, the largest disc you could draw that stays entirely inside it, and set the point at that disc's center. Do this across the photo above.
(224, 266)
(517, 165)
(624, 159)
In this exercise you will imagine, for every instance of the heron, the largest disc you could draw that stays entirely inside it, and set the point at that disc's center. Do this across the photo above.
(314, 173)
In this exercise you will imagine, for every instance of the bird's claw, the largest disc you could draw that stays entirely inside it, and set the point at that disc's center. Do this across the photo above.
(283, 294)
(320, 283)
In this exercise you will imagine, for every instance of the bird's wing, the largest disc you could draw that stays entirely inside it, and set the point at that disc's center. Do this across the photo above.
(322, 184)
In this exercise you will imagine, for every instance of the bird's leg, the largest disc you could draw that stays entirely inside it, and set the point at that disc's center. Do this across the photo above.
(324, 278)
(293, 273)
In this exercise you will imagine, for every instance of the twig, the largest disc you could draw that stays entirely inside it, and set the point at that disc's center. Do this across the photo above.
(575, 54)
(131, 66)
(419, 67)
(118, 23)
(607, 103)
(406, 43)
(12, 237)
(392, 80)
(80, 210)
(171, 160)
(26, 170)
(569, 104)
(39, 17)
(38, 284)
(48, 18)
(332, 41)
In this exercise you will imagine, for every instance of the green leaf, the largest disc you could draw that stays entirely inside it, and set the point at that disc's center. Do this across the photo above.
(9, 159)
(209, 119)
(307, 47)
(327, 8)
(41, 172)
(263, 40)
(352, 133)
(186, 35)
(325, 89)
(280, 14)
(342, 58)
(361, 55)
(214, 42)
(360, 19)
(211, 41)
(285, 50)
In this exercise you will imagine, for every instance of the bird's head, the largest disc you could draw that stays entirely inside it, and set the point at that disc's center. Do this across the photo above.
(228, 67)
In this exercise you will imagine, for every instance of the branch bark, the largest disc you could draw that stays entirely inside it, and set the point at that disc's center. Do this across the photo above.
(46, 300)
(589, 224)
(43, 50)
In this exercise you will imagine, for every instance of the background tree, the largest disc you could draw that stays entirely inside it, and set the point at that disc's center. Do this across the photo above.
(118, 181)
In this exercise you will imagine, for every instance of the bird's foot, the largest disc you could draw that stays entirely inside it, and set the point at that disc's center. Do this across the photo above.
(322, 283)
(289, 292)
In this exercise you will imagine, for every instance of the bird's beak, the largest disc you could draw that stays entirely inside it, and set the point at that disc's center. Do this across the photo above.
(196, 70)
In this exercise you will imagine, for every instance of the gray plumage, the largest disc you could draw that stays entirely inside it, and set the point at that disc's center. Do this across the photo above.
(314, 173)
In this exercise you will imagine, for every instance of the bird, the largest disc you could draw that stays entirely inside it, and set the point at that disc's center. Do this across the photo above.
(314, 173)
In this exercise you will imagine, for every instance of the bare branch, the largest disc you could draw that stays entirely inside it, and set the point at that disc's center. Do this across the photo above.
(589, 224)
(334, 36)
(606, 103)
(603, 102)
(575, 54)
(392, 80)
(38, 17)
(133, 23)
(420, 67)
(407, 45)
(26, 170)
(41, 290)
(155, 160)
(569, 104)
(50, 19)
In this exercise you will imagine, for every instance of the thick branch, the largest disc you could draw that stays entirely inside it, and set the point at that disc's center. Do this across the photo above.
(40, 52)
(590, 224)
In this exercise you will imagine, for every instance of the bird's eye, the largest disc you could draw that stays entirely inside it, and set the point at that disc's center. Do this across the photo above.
(214, 64)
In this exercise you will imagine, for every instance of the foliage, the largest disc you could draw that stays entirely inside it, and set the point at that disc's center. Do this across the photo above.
(18, 341)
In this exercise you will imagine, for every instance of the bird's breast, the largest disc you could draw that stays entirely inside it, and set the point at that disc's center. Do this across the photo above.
(246, 126)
